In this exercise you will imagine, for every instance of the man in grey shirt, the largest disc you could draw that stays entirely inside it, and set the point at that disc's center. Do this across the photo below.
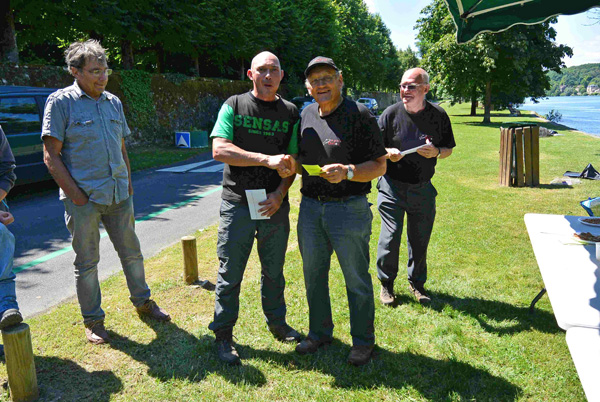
(84, 148)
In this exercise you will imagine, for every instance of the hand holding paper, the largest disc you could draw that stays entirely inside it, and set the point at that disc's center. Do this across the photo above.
(313, 170)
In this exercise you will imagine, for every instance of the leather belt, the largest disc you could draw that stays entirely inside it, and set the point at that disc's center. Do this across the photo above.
(325, 198)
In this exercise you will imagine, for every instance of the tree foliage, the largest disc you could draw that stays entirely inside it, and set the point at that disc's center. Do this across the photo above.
(215, 37)
(571, 78)
(500, 68)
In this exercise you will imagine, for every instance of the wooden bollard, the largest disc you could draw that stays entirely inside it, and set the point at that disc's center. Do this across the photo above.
(20, 366)
(190, 259)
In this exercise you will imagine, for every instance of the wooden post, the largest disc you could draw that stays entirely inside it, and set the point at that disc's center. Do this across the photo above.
(20, 365)
(519, 175)
(528, 156)
(535, 155)
(190, 259)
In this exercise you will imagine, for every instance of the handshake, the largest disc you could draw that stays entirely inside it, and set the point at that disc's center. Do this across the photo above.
(284, 164)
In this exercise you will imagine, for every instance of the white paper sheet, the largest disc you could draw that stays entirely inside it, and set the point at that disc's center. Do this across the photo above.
(410, 151)
(254, 197)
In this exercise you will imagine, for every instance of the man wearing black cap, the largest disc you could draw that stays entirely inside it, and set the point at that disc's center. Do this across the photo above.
(342, 137)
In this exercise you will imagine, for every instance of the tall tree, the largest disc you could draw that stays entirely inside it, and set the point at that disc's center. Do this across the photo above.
(8, 42)
(502, 68)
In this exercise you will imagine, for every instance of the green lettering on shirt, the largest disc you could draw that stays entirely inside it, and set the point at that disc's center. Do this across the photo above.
(285, 126)
(247, 121)
(275, 126)
(257, 122)
(267, 124)
(237, 120)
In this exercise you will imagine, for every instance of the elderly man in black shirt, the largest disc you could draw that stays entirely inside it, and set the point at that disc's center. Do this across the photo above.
(406, 187)
(342, 138)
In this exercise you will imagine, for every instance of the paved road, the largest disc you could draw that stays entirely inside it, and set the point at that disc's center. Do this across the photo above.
(168, 205)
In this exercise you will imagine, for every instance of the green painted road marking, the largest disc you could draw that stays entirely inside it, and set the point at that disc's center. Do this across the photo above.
(60, 252)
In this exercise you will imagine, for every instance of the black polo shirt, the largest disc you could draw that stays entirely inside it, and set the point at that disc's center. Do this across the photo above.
(348, 135)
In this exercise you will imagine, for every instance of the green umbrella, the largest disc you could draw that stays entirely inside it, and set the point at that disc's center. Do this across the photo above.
(474, 16)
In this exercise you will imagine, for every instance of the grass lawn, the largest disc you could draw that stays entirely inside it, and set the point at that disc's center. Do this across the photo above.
(476, 341)
(145, 156)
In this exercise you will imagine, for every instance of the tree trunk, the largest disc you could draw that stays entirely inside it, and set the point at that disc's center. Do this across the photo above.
(160, 59)
(488, 102)
(8, 42)
(127, 55)
(474, 104)
(196, 66)
(242, 71)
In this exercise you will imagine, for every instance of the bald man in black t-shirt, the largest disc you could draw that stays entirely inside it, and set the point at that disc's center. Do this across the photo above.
(406, 187)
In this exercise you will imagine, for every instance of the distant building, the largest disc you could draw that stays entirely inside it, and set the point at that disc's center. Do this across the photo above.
(593, 89)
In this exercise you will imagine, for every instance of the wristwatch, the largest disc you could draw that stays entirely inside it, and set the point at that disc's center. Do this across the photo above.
(439, 152)
(350, 173)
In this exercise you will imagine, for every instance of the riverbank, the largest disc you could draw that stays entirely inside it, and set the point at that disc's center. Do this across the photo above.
(477, 340)
(580, 113)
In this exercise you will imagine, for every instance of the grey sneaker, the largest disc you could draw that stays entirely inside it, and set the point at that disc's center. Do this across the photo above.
(225, 349)
(10, 317)
(386, 296)
(96, 333)
(285, 333)
(310, 345)
(420, 294)
(360, 354)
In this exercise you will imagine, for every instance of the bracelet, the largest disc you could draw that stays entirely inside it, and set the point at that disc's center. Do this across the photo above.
(439, 152)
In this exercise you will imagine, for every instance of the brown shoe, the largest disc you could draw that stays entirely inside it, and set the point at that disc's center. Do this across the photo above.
(285, 333)
(96, 333)
(360, 354)
(387, 293)
(150, 309)
(420, 294)
(310, 345)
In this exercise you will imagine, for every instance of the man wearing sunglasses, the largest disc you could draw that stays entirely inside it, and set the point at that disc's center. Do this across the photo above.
(84, 132)
(406, 188)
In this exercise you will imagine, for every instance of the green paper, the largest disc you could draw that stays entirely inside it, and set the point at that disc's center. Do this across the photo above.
(313, 170)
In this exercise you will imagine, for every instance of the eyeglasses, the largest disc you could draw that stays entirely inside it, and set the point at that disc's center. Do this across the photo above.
(328, 79)
(97, 72)
(410, 87)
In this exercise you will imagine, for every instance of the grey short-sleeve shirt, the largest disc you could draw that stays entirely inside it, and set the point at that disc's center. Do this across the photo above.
(91, 132)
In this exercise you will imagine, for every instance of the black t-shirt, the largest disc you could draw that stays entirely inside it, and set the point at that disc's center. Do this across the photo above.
(348, 135)
(403, 130)
(255, 125)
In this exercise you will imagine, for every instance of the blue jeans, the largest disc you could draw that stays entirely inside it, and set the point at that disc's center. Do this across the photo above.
(8, 296)
(343, 227)
(417, 202)
(84, 224)
(236, 237)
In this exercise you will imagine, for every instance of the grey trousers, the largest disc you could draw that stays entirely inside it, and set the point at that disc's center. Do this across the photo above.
(234, 244)
(395, 201)
(84, 224)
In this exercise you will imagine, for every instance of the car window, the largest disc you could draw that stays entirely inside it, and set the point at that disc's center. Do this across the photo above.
(363, 101)
(19, 115)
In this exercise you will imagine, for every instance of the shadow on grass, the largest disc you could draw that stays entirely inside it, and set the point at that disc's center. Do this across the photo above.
(494, 316)
(434, 379)
(64, 380)
(177, 354)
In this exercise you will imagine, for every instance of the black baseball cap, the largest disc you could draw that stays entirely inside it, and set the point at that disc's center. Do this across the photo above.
(320, 61)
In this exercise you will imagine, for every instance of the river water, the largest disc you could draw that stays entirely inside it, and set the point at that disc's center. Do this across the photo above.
(579, 112)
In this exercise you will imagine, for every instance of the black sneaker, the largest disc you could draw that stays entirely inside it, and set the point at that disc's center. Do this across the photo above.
(310, 345)
(225, 349)
(386, 296)
(360, 354)
(420, 294)
(10, 317)
(285, 333)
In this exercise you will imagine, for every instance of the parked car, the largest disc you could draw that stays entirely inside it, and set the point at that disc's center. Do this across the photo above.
(371, 104)
(302, 101)
(21, 112)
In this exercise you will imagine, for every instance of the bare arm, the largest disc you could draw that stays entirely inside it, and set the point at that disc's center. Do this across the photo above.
(393, 154)
(227, 152)
(126, 159)
(58, 170)
(431, 151)
(2, 194)
(363, 172)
